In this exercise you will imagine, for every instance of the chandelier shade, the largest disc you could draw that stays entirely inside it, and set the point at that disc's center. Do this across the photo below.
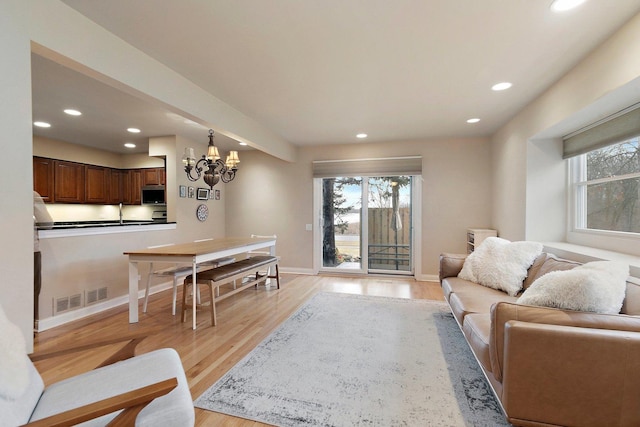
(210, 166)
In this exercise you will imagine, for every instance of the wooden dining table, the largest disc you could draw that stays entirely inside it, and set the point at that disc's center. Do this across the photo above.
(192, 253)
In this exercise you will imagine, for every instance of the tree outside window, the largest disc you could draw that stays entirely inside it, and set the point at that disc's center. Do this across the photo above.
(613, 187)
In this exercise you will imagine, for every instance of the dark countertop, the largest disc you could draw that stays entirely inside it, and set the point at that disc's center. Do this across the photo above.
(88, 224)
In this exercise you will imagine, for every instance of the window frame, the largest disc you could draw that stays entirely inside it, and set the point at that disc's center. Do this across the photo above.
(578, 204)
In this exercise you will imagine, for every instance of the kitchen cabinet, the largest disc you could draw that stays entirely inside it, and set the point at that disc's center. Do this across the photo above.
(69, 182)
(117, 178)
(133, 187)
(61, 181)
(153, 176)
(96, 184)
(43, 178)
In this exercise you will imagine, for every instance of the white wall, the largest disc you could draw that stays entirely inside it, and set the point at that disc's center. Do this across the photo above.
(546, 191)
(528, 169)
(16, 201)
(270, 196)
(54, 30)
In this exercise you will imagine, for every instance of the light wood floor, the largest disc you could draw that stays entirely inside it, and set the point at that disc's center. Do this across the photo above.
(244, 320)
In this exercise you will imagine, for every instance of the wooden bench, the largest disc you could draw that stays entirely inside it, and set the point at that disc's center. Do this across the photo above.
(222, 275)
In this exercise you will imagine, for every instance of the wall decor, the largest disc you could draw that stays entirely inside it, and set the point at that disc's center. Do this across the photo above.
(203, 194)
(192, 192)
(183, 191)
(217, 194)
(202, 212)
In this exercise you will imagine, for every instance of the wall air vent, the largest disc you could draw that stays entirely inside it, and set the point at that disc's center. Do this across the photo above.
(95, 295)
(62, 304)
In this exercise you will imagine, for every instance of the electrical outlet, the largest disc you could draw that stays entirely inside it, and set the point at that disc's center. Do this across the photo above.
(309, 227)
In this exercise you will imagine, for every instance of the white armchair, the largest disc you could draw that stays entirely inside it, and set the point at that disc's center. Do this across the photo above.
(146, 390)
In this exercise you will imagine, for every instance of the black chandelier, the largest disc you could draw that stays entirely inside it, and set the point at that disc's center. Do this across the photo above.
(211, 163)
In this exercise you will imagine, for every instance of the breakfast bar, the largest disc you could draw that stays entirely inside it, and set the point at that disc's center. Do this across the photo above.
(192, 253)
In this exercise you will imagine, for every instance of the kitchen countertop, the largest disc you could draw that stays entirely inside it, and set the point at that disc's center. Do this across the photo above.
(85, 228)
(85, 224)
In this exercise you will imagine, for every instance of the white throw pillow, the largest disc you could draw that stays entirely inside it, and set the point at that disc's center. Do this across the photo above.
(14, 367)
(500, 264)
(598, 286)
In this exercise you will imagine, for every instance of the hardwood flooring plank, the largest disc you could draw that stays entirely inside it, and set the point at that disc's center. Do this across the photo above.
(207, 353)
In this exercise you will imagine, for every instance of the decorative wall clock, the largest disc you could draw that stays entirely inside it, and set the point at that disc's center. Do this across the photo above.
(202, 212)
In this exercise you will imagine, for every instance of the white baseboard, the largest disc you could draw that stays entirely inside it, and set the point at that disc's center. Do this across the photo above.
(61, 319)
(292, 270)
(428, 278)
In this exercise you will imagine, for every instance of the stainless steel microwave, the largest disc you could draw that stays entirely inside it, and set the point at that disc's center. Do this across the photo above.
(153, 195)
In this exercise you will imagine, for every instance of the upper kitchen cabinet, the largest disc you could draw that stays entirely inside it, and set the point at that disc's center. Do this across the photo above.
(133, 187)
(43, 178)
(117, 179)
(69, 182)
(61, 181)
(97, 184)
(153, 176)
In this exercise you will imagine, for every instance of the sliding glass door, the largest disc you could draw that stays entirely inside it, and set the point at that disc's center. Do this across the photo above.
(367, 224)
(389, 225)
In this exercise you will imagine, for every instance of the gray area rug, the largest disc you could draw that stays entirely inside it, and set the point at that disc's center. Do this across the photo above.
(351, 360)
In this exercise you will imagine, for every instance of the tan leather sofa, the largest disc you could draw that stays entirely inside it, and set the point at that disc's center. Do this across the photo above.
(550, 367)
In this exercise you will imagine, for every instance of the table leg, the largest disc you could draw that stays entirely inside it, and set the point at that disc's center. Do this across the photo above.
(194, 298)
(133, 292)
(272, 252)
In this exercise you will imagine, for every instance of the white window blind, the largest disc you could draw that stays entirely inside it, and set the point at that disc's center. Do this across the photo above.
(390, 166)
(616, 128)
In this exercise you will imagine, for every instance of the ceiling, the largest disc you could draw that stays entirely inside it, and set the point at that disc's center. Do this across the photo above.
(321, 71)
(107, 113)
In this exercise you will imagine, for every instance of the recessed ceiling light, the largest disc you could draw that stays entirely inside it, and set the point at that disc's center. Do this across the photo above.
(133, 130)
(501, 86)
(474, 120)
(130, 145)
(361, 135)
(72, 112)
(42, 124)
(562, 5)
(243, 143)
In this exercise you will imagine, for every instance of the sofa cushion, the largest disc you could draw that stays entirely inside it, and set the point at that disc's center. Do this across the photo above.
(477, 330)
(597, 286)
(172, 409)
(500, 264)
(532, 272)
(455, 284)
(475, 301)
(631, 304)
(546, 263)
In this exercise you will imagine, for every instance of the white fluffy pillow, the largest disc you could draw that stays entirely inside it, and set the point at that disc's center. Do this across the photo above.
(598, 286)
(500, 264)
(14, 367)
